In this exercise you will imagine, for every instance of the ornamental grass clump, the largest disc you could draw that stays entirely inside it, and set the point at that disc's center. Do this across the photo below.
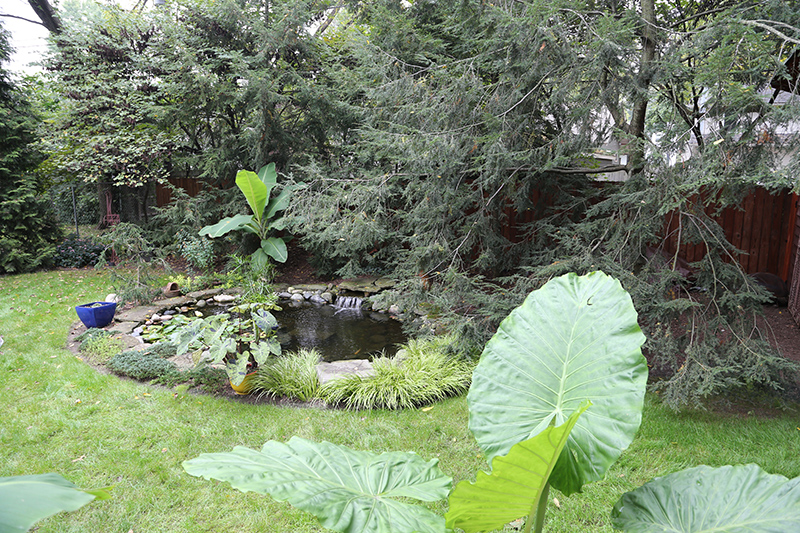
(422, 372)
(293, 375)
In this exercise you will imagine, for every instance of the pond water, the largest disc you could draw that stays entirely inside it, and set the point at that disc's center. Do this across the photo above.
(338, 333)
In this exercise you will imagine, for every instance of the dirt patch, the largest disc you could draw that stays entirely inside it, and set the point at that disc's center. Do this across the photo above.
(782, 331)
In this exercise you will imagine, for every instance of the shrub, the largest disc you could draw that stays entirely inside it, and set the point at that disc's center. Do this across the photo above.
(293, 375)
(421, 373)
(198, 251)
(77, 253)
(145, 365)
(101, 348)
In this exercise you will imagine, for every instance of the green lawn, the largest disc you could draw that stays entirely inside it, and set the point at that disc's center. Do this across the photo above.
(60, 415)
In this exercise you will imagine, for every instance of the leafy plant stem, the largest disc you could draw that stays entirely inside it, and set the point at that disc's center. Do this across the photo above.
(541, 507)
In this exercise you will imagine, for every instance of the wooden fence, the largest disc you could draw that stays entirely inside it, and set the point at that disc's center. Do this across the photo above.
(763, 227)
(192, 186)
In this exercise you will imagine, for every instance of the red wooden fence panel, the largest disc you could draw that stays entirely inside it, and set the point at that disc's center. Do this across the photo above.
(192, 186)
(762, 228)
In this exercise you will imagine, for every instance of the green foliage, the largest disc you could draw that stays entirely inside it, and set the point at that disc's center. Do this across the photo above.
(421, 373)
(478, 154)
(136, 279)
(24, 500)
(28, 228)
(595, 328)
(729, 498)
(254, 281)
(107, 127)
(546, 358)
(199, 252)
(256, 189)
(145, 365)
(349, 491)
(292, 375)
(241, 344)
(517, 486)
(86, 207)
(101, 348)
(73, 252)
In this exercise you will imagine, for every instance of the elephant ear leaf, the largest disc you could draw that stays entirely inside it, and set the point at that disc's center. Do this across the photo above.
(347, 490)
(24, 500)
(516, 484)
(575, 338)
(703, 499)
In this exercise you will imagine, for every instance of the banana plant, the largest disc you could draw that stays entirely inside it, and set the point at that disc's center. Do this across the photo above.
(256, 189)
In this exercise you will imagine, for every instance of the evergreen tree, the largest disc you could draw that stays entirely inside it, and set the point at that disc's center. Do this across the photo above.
(28, 230)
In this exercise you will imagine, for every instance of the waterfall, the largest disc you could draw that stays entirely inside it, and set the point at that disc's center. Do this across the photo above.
(348, 302)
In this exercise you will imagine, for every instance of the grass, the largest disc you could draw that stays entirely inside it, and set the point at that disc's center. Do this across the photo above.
(421, 373)
(293, 375)
(60, 415)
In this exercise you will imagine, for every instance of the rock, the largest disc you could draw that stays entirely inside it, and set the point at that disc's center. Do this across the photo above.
(224, 298)
(198, 314)
(169, 312)
(201, 303)
(327, 296)
(284, 295)
(307, 295)
(165, 318)
(112, 298)
(317, 299)
(297, 297)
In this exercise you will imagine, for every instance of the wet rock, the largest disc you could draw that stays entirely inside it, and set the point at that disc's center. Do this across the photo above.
(201, 303)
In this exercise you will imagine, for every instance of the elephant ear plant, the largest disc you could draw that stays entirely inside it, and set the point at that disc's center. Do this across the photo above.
(555, 399)
(24, 500)
(256, 189)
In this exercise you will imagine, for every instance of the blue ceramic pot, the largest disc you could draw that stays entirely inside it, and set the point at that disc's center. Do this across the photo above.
(96, 314)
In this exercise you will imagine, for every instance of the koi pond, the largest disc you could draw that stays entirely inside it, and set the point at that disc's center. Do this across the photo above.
(338, 332)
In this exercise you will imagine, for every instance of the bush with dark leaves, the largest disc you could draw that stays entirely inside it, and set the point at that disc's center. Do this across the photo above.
(77, 253)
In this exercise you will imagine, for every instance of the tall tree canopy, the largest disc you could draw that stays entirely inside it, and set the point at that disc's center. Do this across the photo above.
(478, 154)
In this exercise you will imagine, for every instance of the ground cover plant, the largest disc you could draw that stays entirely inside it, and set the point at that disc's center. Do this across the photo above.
(97, 430)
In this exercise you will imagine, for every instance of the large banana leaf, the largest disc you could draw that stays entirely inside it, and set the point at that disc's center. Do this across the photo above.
(254, 190)
(347, 490)
(226, 225)
(729, 499)
(574, 339)
(24, 500)
(279, 203)
(275, 247)
(514, 487)
(268, 175)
